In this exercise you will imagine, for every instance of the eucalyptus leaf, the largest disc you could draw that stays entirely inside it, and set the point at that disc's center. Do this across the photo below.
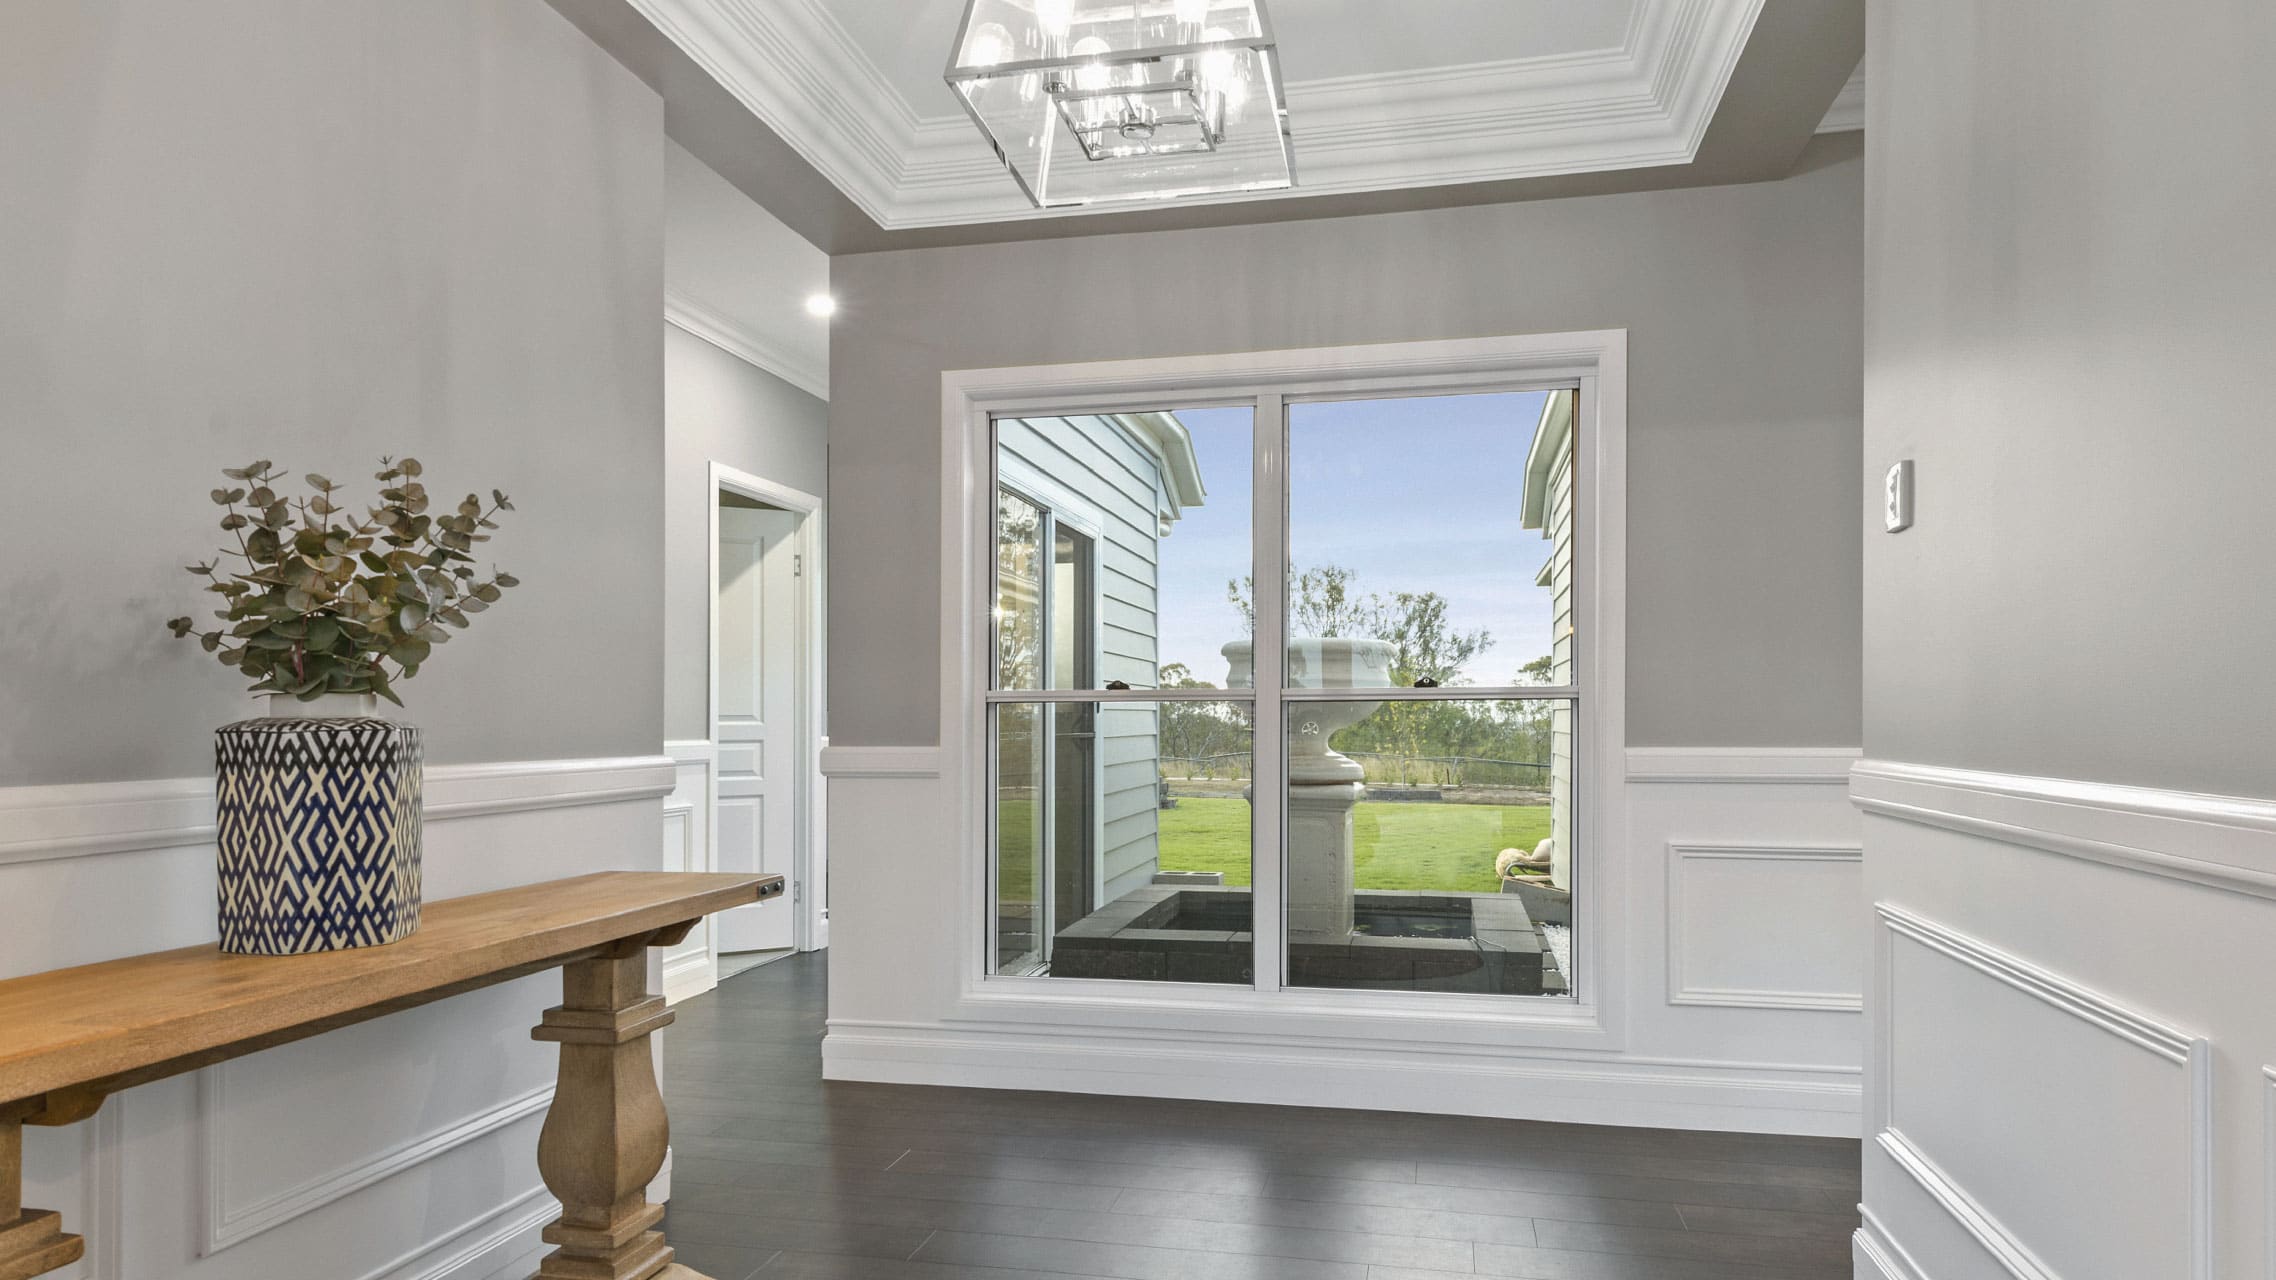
(315, 607)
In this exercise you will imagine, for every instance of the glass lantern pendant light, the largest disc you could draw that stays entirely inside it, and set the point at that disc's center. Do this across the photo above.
(1096, 101)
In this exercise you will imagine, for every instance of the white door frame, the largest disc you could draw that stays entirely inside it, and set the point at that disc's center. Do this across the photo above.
(810, 913)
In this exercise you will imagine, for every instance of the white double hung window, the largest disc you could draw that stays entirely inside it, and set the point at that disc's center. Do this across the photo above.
(1288, 690)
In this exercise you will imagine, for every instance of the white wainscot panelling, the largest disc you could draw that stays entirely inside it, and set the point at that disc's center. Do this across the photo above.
(2268, 1167)
(362, 1109)
(689, 969)
(1766, 926)
(2066, 1135)
(399, 1149)
(1772, 1070)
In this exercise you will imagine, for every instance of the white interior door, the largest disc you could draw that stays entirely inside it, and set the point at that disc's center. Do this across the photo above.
(757, 724)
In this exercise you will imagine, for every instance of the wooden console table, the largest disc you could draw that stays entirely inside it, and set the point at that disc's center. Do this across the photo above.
(71, 1037)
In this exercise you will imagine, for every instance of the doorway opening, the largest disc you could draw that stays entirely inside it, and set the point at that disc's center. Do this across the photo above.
(765, 715)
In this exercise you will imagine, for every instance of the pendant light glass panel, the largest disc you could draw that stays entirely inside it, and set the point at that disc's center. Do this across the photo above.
(1092, 101)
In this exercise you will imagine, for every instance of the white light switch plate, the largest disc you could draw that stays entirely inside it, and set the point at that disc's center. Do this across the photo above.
(1896, 497)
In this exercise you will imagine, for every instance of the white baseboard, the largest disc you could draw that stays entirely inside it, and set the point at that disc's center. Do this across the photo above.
(1661, 1093)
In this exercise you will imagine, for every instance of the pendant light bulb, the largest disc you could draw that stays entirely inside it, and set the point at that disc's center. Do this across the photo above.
(1192, 13)
(1056, 17)
(990, 46)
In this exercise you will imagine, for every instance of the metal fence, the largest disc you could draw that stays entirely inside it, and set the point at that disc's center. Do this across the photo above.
(1383, 769)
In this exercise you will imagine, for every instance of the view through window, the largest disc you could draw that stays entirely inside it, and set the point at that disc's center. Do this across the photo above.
(1426, 699)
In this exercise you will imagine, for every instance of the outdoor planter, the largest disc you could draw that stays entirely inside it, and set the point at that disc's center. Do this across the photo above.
(318, 808)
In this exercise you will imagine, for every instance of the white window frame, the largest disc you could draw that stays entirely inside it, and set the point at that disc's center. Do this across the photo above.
(1595, 361)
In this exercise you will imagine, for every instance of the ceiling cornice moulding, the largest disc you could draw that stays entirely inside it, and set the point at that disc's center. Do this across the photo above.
(699, 321)
(1644, 104)
(1847, 114)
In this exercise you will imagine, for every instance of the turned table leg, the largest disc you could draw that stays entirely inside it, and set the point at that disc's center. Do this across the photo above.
(31, 1240)
(605, 1134)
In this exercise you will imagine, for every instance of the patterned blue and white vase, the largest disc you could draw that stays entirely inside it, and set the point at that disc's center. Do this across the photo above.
(319, 811)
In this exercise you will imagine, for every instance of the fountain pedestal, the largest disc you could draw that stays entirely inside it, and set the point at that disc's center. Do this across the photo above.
(1321, 895)
(1324, 785)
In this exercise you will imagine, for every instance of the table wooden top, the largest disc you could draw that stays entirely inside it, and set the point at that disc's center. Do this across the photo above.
(71, 1027)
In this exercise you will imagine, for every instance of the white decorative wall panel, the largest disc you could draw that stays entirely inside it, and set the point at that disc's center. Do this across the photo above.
(2067, 1133)
(688, 969)
(399, 1149)
(1773, 1069)
(1766, 927)
(362, 1110)
(2268, 1166)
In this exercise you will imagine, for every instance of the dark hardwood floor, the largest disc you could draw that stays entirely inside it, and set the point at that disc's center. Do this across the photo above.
(781, 1176)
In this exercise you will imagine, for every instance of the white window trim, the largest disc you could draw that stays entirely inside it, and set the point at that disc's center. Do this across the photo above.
(1598, 361)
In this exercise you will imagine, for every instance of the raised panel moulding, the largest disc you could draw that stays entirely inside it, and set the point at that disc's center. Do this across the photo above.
(228, 1223)
(1878, 1249)
(2011, 1254)
(1647, 102)
(1687, 981)
(477, 1248)
(2192, 1054)
(38, 824)
(2230, 841)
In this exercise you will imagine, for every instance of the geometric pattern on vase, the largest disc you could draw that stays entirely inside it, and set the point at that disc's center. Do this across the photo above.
(319, 834)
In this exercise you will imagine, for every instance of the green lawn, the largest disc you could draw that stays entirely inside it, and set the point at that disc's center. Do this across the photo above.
(1446, 847)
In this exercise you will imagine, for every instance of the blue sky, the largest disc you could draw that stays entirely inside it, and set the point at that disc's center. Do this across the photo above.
(1412, 495)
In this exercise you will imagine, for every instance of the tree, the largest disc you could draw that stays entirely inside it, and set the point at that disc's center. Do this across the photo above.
(1326, 602)
(1323, 604)
(1423, 647)
(1194, 730)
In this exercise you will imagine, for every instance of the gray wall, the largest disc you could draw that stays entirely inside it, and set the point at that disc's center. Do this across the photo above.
(718, 408)
(2071, 317)
(1743, 308)
(318, 233)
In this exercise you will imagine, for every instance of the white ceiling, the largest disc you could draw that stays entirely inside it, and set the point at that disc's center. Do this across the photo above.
(908, 40)
(1382, 96)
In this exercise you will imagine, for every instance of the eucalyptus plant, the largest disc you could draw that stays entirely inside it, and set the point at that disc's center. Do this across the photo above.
(325, 602)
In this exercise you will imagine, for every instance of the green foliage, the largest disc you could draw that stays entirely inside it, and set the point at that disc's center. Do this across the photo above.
(1191, 730)
(1326, 602)
(324, 603)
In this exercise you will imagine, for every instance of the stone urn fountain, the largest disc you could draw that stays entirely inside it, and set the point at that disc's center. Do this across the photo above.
(1324, 785)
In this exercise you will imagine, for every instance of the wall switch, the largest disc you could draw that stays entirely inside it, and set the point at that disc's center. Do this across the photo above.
(1896, 497)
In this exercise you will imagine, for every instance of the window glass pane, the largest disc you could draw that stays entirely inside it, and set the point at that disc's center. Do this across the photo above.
(1122, 841)
(1430, 540)
(1019, 592)
(1073, 604)
(1016, 865)
(1429, 845)
(1122, 547)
